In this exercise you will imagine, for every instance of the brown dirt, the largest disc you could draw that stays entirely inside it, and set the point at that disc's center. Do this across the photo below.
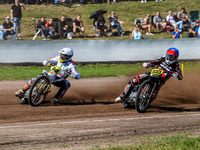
(88, 116)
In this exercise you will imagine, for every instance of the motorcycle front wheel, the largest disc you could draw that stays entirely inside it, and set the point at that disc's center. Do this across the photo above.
(143, 99)
(38, 91)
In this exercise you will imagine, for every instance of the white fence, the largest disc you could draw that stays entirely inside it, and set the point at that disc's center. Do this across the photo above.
(98, 50)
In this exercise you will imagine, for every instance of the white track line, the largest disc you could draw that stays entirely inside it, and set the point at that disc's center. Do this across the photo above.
(86, 121)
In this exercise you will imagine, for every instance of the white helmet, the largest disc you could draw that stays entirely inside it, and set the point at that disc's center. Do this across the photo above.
(66, 54)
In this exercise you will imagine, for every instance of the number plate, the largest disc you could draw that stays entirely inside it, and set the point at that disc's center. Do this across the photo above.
(156, 72)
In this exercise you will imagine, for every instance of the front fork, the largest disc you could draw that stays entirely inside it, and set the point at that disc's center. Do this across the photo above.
(152, 92)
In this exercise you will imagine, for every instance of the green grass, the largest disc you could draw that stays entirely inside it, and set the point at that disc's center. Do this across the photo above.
(86, 71)
(127, 11)
(174, 142)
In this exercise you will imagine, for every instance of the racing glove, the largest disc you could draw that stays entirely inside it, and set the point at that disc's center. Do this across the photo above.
(55, 69)
(175, 74)
(73, 76)
(145, 65)
(46, 63)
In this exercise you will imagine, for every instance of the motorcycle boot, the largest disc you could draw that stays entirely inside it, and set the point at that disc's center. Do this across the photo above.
(23, 101)
(119, 99)
(55, 100)
(19, 93)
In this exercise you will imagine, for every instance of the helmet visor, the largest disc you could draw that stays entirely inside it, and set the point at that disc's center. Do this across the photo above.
(65, 57)
(171, 57)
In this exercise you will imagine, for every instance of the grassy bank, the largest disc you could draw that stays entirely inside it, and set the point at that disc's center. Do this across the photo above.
(175, 142)
(127, 11)
(86, 71)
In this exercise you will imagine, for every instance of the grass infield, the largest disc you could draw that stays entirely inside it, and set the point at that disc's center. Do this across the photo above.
(173, 142)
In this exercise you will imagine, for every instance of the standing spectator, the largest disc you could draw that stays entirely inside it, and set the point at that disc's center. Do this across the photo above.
(7, 28)
(182, 15)
(176, 33)
(49, 28)
(146, 25)
(136, 34)
(115, 23)
(190, 34)
(78, 26)
(171, 21)
(101, 24)
(159, 21)
(16, 15)
(197, 32)
(114, 1)
(197, 25)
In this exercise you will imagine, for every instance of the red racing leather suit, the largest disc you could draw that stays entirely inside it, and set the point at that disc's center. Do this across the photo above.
(159, 64)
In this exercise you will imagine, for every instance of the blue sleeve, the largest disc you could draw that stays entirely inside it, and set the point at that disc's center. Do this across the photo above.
(173, 33)
(196, 29)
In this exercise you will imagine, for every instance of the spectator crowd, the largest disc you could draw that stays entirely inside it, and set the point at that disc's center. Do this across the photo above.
(68, 28)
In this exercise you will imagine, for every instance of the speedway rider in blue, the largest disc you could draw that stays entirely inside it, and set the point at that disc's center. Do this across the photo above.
(62, 67)
(168, 63)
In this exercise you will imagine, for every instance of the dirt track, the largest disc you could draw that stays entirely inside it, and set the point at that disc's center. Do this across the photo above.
(88, 114)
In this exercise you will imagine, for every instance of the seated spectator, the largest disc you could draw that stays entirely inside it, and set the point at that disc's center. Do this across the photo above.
(115, 23)
(7, 29)
(182, 15)
(61, 26)
(101, 25)
(78, 26)
(66, 31)
(190, 34)
(114, 2)
(176, 33)
(146, 25)
(197, 32)
(136, 34)
(41, 24)
(64, 3)
(145, 1)
(171, 21)
(197, 25)
(159, 21)
(49, 28)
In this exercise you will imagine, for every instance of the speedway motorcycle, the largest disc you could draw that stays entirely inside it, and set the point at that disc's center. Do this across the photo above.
(38, 91)
(143, 94)
(40, 88)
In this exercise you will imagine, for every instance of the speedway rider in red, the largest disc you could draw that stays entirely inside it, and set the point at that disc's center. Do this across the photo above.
(170, 66)
(62, 67)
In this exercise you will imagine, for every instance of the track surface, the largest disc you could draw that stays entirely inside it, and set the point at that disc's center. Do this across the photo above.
(88, 116)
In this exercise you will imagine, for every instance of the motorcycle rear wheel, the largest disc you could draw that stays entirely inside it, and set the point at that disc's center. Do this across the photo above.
(143, 99)
(38, 91)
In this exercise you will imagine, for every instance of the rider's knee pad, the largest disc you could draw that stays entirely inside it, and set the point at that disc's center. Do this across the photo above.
(67, 84)
(134, 81)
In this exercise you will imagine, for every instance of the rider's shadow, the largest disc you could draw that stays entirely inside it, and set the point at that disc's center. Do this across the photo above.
(77, 102)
